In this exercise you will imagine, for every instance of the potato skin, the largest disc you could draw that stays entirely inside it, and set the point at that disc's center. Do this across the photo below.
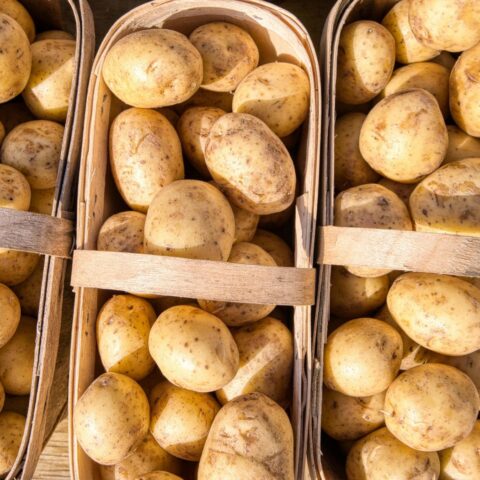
(275, 246)
(122, 232)
(262, 179)
(245, 224)
(153, 68)
(10, 308)
(228, 454)
(12, 426)
(20, 14)
(228, 54)
(431, 407)
(15, 190)
(461, 145)
(28, 292)
(16, 266)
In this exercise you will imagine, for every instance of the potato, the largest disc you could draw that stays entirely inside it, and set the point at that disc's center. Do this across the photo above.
(193, 128)
(245, 224)
(462, 461)
(146, 457)
(366, 58)
(193, 349)
(353, 296)
(16, 266)
(461, 145)
(42, 201)
(190, 219)
(14, 113)
(402, 190)
(122, 232)
(371, 206)
(19, 13)
(351, 169)
(54, 35)
(207, 98)
(380, 455)
(238, 314)
(12, 426)
(407, 47)
(181, 420)
(2, 397)
(158, 476)
(15, 58)
(228, 54)
(111, 418)
(362, 357)
(404, 136)
(153, 68)
(446, 59)
(123, 327)
(453, 26)
(431, 407)
(17, 357)
(277, 248)
(277, 93)
(262, 179)
(15, 190)
(448, 199)
(469, 364)
(266, 362)
(248, 420)
(28, 292)
(47, 93)
(34, 149)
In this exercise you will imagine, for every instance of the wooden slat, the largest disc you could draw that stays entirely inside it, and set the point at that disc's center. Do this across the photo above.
(400, 250)
(182, 277)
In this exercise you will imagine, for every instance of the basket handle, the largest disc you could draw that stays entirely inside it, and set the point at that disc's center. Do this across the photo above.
(183, 277)
(400, 250)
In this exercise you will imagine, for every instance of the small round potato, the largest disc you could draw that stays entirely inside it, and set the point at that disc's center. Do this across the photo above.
(15, 58)
(238, 314)
(28, 292)
(404, 136)
(193, 349)
(402, 190)
(15, 190)
(16, 358)
(16, 266)
(262, 179)
(145, 155)
(10, 308)
(190, 219)
(353, 297)
(193, 128)
(12, 426)
(408, 48)
(351, 169)
(111, 418)
(453, 26)
(181, 420)
(277, 93)
(122, 232)
(448, 199)
(469, 364)
(158, 476)
(42, 201)
(276, 247)
(366, 58)
(123, 327)
(431, 407)
(153, 68)
(380, 456)
(20, 14)
(47, 93)
(362, 357)
(54, 35)
(266, 362)
(228, 53)
(461, 145)
(34, 149)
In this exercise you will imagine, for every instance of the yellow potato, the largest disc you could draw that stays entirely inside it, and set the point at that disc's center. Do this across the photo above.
(12, 426)
(262, 179)
(15, 190)
(153, 68)
(10, 308)
(366, 58)
(47, 93)
(238, 314)
(54, 35)
(277, 93)
(122, 232)
(111, 418)
(276, 247)
(448, 199)
(446, 59)
(402, 190)
(431, 407)
(19, 13)
(16, 266)
(228, 54)
(17, 357)
(245, 224)
(207, 98)
(34, 149)
(404, 136)
(469, 364)
(190, 219)
(362, 357)
(193, 349)
(158, 476)
(181, 420)
(42, 201)
(461, 145)
(28, 292)
(15, 58)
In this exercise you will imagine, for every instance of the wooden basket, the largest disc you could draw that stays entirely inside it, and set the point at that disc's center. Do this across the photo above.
(278, 35)
(52, 236)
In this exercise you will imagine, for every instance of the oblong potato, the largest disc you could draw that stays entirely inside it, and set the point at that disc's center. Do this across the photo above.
(20, 14)
(123, 232)
(15, 190)
(54, 35)
(42, 201)
(28, 292)
(12, 426)
(153, 68)
(277, 93)
(402, 190)
(275, 246)
(461, 145)
(262, 179)
(16, 266)
(228, 54)
(228, 454)
(10, 308)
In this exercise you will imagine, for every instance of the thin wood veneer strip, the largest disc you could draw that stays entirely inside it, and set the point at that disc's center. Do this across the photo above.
(400, 250)
(182, 277)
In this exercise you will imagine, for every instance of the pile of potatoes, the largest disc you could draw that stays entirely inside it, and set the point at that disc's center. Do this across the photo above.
(35, 83)
(200, 151)
(402, 360)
